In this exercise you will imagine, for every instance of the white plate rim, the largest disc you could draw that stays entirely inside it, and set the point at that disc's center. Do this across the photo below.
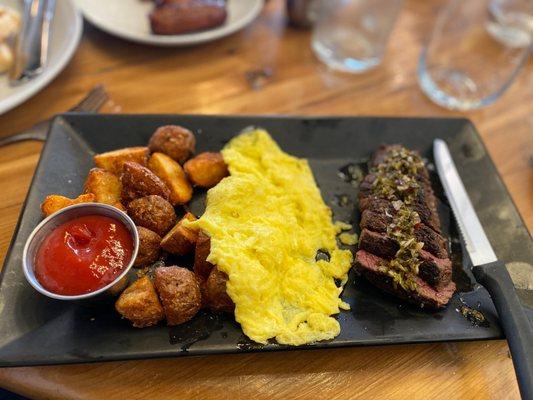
(179, 40)
(30, 88)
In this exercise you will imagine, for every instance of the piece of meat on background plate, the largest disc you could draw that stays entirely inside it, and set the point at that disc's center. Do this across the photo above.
(174, 17)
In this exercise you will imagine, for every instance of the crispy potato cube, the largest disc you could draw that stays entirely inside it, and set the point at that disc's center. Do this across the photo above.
(149, 247)
(175, 141)
(206, 169)
(138, 181)
(179, 291)
(113, 161)
(105, 186)
(217, 298)
(55, 202)
(202, 267)
(180, 240)
(170, 172)
(139, 303)
(154, 213)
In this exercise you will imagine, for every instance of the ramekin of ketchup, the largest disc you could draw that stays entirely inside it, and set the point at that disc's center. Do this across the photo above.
(80, 251)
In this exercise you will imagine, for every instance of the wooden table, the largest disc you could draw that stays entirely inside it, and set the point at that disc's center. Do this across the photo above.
(215, 79)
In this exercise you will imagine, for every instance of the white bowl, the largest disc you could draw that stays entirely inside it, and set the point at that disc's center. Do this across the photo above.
(53, 221)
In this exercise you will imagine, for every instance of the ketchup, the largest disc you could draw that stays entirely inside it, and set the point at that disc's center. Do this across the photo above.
(83, 255)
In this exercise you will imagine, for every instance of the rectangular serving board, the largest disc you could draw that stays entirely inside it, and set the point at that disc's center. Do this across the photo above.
(36, 330)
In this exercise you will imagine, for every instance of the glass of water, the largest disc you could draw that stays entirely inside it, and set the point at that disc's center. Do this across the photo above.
(351, 35)
(476, 50)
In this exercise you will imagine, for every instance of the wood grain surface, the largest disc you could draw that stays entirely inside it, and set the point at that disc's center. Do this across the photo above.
(217, 78)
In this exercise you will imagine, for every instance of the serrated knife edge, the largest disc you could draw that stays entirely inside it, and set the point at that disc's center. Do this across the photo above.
(476, 241)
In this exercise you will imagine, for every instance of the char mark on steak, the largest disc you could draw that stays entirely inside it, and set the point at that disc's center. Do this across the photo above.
(425, 203)
(379, 221)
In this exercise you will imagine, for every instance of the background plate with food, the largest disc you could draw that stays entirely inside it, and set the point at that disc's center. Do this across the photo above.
(170, 22)
(67, 27)
(337, 151)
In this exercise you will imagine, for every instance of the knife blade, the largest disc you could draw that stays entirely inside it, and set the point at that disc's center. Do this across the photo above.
(476, 241)
(489, 272)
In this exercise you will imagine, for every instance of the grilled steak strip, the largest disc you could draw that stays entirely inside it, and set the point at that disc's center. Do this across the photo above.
(433, 242)
(424, 205)
(436, 271)
(425, 296)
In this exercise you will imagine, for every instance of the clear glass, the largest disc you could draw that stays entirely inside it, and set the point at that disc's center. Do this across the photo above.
(351, 35)
(476, 50)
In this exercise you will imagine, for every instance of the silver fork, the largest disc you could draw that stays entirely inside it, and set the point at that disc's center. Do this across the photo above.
(94, 100)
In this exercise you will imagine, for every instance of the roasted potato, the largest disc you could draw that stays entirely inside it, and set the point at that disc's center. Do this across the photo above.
(217, 298)
(118, 287)
(149, 247)
(206, 169)
(105, 186)
(113, 161)
(139, 181)
(175, 141)
(180, 240)
(179, 291)
(139, 303)
(172, 174)
(202, 267)
(55, 202)
(154, 213)
(203, 292)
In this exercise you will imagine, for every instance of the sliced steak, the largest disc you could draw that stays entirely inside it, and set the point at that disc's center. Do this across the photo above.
(431, 286)
(424, 204)
(425, 296)
(433, 242)
(435, 271)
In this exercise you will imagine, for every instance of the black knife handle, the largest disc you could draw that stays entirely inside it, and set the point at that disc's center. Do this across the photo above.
(515, 323)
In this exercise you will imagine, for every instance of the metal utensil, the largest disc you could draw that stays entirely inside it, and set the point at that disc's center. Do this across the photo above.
(45, 32)
(31, 46)
(91, 103)
(489, 272)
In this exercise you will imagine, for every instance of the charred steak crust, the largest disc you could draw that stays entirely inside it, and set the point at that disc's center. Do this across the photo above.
(433, 241)
(425, 296)
(425, 202)
(433, 285)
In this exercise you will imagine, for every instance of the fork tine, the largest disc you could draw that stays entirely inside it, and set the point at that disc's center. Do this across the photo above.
(93, 101)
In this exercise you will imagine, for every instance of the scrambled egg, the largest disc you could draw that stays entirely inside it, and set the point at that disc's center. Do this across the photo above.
(349, 239)
(266, 221)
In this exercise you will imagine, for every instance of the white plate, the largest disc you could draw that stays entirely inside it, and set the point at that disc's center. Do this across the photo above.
(128, 19)
(66, 32)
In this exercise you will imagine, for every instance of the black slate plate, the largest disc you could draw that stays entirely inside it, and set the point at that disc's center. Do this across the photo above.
(38, 330)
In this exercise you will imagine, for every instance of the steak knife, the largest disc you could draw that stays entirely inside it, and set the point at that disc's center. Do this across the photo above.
(489, 271)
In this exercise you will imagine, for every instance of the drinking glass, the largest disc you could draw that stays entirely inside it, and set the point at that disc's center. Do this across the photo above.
(351, 35)
(476, 50)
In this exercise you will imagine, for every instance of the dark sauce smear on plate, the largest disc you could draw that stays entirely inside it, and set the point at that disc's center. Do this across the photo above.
(322, 255)
(199, 328)
(474, 316)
